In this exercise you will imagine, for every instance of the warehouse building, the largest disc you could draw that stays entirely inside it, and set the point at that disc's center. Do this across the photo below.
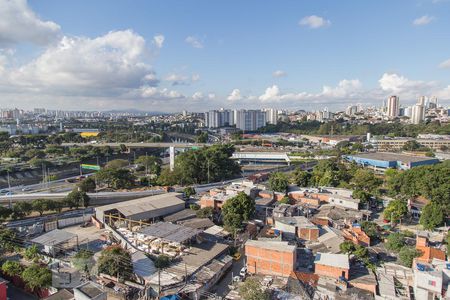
(150, 208)
(380, 161)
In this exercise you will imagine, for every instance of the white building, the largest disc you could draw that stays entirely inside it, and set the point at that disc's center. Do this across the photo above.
(418, 113)
(271, 116)
(250, 120)
(431, 280)
(393, 106)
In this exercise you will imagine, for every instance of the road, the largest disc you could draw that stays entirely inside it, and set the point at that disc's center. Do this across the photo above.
(139, 145)
(221, 288)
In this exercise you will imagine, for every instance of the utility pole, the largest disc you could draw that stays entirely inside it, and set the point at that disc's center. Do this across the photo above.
(9, 190)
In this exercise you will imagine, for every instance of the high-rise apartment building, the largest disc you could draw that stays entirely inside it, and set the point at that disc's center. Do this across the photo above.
(271, 116)
(219, 118)
(418, 111)
(393, 106)
(250, 120)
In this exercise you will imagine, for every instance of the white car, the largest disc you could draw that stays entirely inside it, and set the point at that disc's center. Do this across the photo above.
(243, 272)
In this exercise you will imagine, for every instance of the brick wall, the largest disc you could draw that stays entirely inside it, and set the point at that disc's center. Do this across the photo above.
(269, 262)
(309, 234)
(329, 271)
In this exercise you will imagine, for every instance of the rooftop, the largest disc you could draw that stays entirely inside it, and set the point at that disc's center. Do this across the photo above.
(271, 245)
(136, 206)
(170, 232)
(333, 260)
(61, 295)
(388, 156)
(90, 289)
(299, 221)
(54, 237)
(182, 215)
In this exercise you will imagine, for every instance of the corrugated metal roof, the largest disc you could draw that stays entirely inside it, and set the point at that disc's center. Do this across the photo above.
(145, 204)
(54, 237)
(170, 232)
(333, 260)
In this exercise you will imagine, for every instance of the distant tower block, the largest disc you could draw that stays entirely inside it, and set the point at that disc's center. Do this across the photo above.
(172, 158)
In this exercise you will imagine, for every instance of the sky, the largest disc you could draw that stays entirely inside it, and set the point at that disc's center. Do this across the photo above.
(196, 55)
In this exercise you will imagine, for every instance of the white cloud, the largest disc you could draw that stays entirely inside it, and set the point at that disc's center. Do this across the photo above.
(423, 20)
(197, 96)
(180, 79)
(194, 42)
(106, 64)
(445, 64)
(211, 96)
(395, 83)
(158, 40)
(279, 73)
(18, 23)
(314, 22)
(235, 95)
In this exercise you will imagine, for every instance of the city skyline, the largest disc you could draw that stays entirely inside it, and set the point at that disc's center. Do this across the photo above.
(172, 56)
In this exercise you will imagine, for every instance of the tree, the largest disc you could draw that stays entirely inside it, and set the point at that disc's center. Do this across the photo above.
(278, 182)
(206, 212)
(7, 240)
(411, 146)
(407, 255)
(285, 200)
(189, 191)
(371, 229)
(202, 137)
(117, 164)
(162, 262)
(252, 289)
(116, 261)
(21, 209)
(77, 198)
(232, 222)
(448, 244)
(395, 210)
(5, 212)
(88, 185)
(36, 276)
(152, 164)
(39, 205)
(302, 178)
(432, 216)
(116, 178)
(12, 268)
(347, 247)
(395, 241)
(32, 253)
(365, 180)
(241, 204)
(83, 260)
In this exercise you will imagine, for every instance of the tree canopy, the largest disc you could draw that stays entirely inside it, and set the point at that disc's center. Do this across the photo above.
(278, 182)
(116, 261)
(238, 209)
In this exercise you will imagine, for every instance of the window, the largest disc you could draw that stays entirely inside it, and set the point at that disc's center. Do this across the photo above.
(432, 282)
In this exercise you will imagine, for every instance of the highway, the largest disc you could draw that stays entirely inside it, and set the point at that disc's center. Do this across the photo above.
(139, 145)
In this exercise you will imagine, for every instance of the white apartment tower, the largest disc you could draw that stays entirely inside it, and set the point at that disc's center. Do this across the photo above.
(393, 106)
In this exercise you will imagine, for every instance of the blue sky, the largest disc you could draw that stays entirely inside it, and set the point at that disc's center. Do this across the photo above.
(284, 54)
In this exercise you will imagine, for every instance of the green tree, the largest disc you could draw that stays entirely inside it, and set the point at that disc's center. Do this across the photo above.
(116, 261)
(407, 255)
(189, 191)
(40, 206)
(395, 211)
(36, 276)
(241, 204)
(365, 180)
(12, 268)
(301, 178)
(88, 185)
(32, 253)
(252, 289)
(278, 182)
(432, 216)
(8, 240)
(285, 200)
(232, 222)
(411, 146)
(162, 262)
(206, 212)
(5, 213)
(21, 209)
(395, 241)
(83, 260)
(77, 198)
(371, 229)
(202, 137)
(116, 178)
(347, 247)
(152, 164)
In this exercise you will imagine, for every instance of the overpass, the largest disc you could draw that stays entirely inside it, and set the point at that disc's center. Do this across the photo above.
(171, 147)
(262, 157)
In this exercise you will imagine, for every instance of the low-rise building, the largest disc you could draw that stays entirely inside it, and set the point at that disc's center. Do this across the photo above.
(297, 227)
(431, 280)
(270, 257)
(355, 234)
(332, 265)
(89, 291)
(428, 252)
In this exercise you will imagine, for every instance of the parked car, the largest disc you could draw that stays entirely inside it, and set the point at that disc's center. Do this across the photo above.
(243, 272)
